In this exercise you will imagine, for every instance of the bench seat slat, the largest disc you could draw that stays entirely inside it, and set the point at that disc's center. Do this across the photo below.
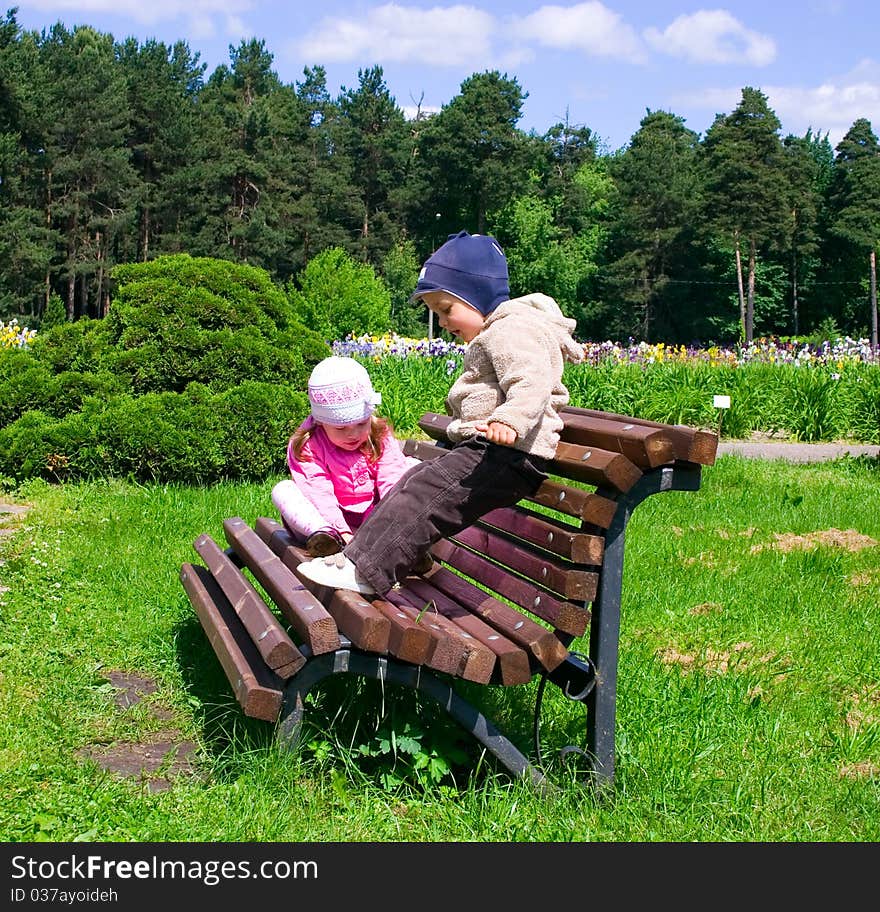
(306, 615)
(361, 623)
(644, 446)
(453, 653)
(565, 616)
(569, 583)
(512, 662)
(409, 640)
(590, 464)
(589, 506)
(540, 642)
(257, 689)
(275, 646)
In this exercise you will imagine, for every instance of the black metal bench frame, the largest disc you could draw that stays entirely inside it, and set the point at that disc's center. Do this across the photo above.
(590, 680)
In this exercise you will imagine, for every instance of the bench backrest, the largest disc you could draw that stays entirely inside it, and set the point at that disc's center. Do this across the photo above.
(545, 556)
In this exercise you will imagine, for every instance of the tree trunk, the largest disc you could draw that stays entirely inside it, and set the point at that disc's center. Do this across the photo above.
(71, 292)
(99, 275)
(739, 287)
(48, 282)
(145, 235)
(874, 299)
(794, 293)
(750, 302)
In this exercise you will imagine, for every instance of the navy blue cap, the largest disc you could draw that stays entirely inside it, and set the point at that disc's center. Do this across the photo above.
(470, 266)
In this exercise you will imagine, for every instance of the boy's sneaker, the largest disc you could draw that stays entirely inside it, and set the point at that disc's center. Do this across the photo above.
(335, 571)
(324, 542)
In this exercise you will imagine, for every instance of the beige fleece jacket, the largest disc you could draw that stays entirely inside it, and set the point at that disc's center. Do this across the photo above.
(512, 373)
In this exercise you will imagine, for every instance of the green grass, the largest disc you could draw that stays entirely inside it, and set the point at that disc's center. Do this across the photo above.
(749, 686)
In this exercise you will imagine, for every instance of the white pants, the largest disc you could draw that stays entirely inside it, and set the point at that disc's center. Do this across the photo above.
(299, 514)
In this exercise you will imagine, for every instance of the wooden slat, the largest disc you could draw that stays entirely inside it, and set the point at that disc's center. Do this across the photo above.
(409, 640)
(690, 444)
(455, 651)
(548, 533)
(270, 638)
(540, 642)
(586, 505)
(595, 466)
(365, 626)
(645, 446)
(308, 617)
(592, 508)
(256, 687)
(590, 464)
(565, 616)
(512, 662)
(384, 629)
(567, 582)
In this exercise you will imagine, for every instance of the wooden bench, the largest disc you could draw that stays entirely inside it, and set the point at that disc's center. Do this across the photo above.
(506, 599)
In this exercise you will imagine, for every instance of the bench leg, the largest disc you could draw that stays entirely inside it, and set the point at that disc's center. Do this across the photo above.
(605, 624)
(383, 668)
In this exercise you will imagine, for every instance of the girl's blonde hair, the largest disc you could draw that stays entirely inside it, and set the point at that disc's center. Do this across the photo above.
(372, 448)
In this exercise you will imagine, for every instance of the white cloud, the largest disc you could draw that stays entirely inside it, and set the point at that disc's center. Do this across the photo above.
(712, 36)
(450, 36)
(411, 112)
(830, 107)
(199, 13)
(589, 27)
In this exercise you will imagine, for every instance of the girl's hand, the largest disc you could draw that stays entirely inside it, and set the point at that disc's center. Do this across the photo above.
(496, 432)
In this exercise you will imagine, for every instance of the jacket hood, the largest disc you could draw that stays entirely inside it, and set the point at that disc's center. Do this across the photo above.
(546, 310)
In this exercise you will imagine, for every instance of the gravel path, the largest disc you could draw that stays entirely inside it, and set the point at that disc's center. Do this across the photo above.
(795, 452)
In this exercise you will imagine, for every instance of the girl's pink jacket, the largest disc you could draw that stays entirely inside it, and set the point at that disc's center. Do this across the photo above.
(337, 480)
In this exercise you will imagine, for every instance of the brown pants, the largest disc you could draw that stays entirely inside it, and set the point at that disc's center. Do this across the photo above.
(436, 499)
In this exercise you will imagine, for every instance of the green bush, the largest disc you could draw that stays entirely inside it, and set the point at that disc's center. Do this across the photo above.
(339, 296)
(40, 446)
(258, 421)
(180, 319)
(196, 375)
(82, 346)
(193, 438)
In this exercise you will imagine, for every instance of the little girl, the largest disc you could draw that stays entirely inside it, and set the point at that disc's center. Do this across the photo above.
(342, 459)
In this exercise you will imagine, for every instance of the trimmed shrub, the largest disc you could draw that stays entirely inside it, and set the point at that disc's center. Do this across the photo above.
(194, 376)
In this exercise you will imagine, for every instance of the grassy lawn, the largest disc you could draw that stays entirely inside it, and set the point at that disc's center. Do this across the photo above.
(749, 686)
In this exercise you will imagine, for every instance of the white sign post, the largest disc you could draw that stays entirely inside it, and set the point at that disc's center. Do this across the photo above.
(721, 403)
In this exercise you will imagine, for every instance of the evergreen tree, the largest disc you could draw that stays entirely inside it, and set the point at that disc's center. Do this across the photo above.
(805, 178)
(651, 248)
(26, 241)
(472, 159)
(90, 182)
(374, 135)
(746, 187)
(325, 211)
(163, 89)
(855, 202)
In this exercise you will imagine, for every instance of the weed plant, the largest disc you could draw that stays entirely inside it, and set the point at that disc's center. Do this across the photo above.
(748, 708)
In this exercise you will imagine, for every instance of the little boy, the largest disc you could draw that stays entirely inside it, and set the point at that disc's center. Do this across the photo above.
(505, 410)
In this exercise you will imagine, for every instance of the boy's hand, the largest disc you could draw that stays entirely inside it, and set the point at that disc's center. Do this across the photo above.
(496, 432)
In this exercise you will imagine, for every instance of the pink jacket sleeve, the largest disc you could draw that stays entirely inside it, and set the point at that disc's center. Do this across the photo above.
(313, 479)
(391, 465)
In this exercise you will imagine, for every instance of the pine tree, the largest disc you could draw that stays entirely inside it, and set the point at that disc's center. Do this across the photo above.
(746, 187)
(855, 201)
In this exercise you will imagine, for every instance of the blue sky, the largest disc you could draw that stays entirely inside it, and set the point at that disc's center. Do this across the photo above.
(598, 64)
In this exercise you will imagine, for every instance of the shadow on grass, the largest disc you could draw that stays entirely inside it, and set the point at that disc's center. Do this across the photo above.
(387, 733)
